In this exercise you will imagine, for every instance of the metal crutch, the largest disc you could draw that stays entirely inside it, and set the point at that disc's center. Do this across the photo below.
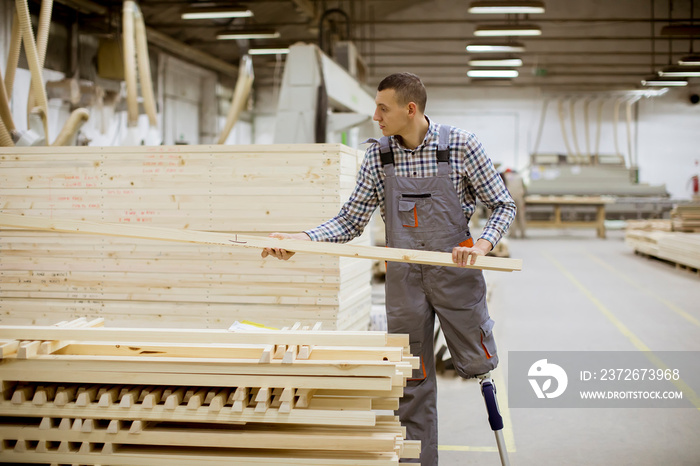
(488, 390)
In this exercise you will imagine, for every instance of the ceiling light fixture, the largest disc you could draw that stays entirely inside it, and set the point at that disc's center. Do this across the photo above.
(679, 72)
(690, 60)
(665, 82)
(278, 51)
(506, 7)
(505, 47)
(250, 34)
(511, 62)
(507, 30)
(492, 73)
(216, 13)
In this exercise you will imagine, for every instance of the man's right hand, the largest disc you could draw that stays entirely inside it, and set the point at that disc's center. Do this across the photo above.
(283, 254)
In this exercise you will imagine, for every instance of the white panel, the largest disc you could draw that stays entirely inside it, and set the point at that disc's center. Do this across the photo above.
(182, 119)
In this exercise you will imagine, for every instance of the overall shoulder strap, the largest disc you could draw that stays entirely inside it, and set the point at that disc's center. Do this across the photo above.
(443, 152)
(385, 152)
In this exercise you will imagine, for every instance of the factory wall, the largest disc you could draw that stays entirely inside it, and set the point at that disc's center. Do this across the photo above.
(664, 133)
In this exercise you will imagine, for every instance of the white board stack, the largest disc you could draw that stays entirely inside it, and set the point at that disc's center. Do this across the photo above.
(683, 249)
(78, 393)
(257, 189)
(686, 217)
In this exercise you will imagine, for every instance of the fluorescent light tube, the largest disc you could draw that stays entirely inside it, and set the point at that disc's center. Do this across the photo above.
(497, 62)
(690, 60)
(280, 51)
(231, 35)
(215, 13)
(507, 30)
(495, 48)
(492, 73)
(680, 72)
(664, 82)
(507, 8)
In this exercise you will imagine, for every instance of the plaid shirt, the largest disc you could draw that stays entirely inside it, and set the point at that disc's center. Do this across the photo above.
(473, 176)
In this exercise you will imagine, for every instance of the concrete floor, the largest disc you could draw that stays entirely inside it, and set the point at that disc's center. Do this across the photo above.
(577, 292)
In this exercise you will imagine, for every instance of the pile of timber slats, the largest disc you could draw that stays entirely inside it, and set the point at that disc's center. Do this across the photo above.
(257, 189)
(686, 217)
(79, 393)
(680, 248)
(652, 224)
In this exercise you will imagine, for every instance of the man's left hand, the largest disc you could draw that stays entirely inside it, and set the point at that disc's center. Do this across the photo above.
(463, 255)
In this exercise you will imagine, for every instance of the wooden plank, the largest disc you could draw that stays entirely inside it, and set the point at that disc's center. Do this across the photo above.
(316, 439)
(202, 336)
(167, 234)
(129, 457)
(24, 373)
(222, 366)
(319, 353)
(181, 414)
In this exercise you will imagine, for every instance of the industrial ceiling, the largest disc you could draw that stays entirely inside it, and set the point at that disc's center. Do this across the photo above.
(587, 44)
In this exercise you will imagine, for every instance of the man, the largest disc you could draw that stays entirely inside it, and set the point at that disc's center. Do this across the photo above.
(424, 178)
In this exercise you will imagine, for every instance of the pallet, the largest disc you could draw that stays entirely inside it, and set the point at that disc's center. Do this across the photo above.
(79, 394)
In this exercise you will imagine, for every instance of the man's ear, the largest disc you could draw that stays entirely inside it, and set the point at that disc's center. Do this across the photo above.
(412, 109)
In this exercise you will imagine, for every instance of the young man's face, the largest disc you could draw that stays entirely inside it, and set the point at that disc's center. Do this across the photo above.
(390, 114)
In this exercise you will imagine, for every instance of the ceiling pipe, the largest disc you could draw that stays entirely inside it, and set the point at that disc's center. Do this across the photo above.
(42, 41)
(5, 112)
(144, 65)
(562, 124)
(129, 57)
(240, 97)
(13, 55)
(33, 60)
(5, 138)
(67, 134)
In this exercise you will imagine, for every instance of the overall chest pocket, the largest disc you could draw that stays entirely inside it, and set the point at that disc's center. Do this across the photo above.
(415, 209)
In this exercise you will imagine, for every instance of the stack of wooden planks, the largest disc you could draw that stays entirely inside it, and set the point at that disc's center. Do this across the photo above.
(682, 249)
(652, 224)
(258, 189)
(686, 217)
(78, 393)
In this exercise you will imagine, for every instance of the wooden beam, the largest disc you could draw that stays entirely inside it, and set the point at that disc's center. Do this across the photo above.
(227, 351)
(312, 439)
(200, 336)
(212, 366)
(182, 414)
(159, 457)
(63, 375)
(256, 242)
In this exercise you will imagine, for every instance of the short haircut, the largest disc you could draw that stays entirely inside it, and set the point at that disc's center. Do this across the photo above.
(408, 88)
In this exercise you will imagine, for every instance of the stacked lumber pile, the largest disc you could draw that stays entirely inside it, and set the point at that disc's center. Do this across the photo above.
(681, 248)
(648, 225)
(76, 394)
(46, 276)
(686, 218)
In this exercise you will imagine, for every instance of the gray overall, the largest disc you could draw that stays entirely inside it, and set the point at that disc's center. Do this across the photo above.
(425, 213)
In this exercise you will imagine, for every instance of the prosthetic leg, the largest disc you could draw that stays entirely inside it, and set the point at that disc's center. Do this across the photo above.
(488, 390)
